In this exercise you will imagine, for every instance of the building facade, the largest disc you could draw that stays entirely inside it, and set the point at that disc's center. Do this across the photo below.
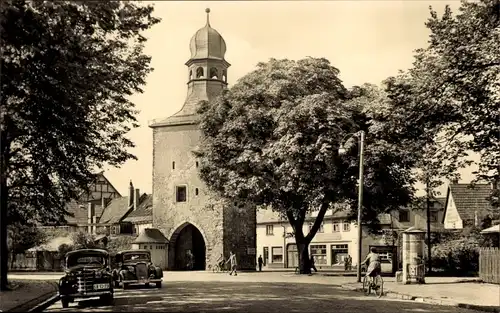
(337, 237)
(191, 218)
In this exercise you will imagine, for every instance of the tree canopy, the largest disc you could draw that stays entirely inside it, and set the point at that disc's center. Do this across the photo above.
(68, 69)
(273, 139)
(453, 88)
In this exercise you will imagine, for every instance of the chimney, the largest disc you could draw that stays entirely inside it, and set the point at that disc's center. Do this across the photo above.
(130, 194)
(137, 197)
(90, 216)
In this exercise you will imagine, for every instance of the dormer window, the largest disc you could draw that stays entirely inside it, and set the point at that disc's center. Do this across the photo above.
(199, 72)
(214, 73)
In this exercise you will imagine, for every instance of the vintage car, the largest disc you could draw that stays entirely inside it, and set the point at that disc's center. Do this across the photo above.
(87, 275)
(135, 267)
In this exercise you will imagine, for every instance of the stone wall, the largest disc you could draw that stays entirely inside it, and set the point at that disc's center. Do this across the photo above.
(175, 144)
(240, 234)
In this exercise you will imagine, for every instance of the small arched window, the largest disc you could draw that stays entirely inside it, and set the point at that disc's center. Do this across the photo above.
(190, 74)
(199, 72)
(196, 191)
(224, 76)
(214, 73)
(173, 165)
(197, 164)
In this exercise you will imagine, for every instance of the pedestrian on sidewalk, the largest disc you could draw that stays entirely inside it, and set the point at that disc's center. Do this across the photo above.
(260, 261)
(313, 266)
(347, 263)
(232, 259)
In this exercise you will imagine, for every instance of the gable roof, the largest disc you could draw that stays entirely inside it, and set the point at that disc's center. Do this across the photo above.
(151, 235)
(79, 210)
(144, 212)
(469, 199)
(115, 211)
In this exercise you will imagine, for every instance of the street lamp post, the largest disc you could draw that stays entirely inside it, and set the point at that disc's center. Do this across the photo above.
(360, 198)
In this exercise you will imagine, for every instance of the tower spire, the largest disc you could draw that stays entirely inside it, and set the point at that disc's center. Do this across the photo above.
(208, 16)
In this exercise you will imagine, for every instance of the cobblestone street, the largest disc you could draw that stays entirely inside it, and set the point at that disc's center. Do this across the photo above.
(243, 296)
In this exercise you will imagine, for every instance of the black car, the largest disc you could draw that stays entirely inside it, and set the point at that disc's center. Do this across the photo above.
(87, 275)
(135, 267)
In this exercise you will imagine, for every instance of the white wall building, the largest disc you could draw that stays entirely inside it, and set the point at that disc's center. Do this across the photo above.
(337, 238)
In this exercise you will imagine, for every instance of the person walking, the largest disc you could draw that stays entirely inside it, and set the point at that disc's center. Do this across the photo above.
(313, 266)
(260, 261)
(232, 259)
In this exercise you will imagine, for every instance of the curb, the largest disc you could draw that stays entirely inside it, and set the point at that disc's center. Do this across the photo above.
(32, 305)
(396, 295)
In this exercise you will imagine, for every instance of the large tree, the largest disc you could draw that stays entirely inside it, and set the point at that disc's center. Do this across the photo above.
(68, 68)
(272, 140)
(454, 84)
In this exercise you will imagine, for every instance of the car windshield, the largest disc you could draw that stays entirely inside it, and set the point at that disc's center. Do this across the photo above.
(87, 260)
(136, 257)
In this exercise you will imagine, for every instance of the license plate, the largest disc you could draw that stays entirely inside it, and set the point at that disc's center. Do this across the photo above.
(101, 286)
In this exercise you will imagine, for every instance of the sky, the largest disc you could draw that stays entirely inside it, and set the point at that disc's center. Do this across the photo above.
(367, 41)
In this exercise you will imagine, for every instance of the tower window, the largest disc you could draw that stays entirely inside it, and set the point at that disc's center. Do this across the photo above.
(173, 165)
(214, 73)
(224, 76)
(197, 164)
(199, 72)
(196, 191)
(190, 74)
(181, 194)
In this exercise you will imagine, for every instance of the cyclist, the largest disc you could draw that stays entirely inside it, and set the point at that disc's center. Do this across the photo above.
(374, 268)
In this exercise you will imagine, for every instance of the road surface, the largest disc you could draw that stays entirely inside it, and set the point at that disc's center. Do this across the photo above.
(245, 296)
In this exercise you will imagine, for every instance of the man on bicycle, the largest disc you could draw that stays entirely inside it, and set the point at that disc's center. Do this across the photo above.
(373, 260)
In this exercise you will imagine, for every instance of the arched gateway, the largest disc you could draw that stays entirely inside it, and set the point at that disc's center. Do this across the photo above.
(188, 249)
(184, 210)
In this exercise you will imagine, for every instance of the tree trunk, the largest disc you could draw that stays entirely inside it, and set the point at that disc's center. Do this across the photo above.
(429, 256)
(4, 251)
(304, 261)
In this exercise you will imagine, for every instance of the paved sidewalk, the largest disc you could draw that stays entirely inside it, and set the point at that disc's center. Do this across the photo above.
(26, 294)
(462, 292)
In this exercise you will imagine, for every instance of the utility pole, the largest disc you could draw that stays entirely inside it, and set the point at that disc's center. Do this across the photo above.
(360, 200)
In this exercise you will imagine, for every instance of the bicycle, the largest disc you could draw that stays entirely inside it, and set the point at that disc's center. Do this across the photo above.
(377, 285)
(217, 268)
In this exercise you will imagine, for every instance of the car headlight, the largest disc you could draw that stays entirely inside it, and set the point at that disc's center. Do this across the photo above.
(131, 269)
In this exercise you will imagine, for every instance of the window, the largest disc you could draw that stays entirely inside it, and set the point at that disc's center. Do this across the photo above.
(181, 194)
(320, 229)
(151, 247)
(277, 254)
(434, 216)
(265, 255)
(214, 73)
(269, 230)
(196, 191)
(224, 76)
(339, 254)
(404, 216)
(336, 227)
(197, 164)
(199, 72)
(173, 165)
(190, 74)
(318, 252)
(346, 226)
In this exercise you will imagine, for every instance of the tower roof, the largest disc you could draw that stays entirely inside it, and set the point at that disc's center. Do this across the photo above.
(207, 43)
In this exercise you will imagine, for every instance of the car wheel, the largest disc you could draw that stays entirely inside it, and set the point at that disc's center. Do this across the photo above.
(125, 286)
(158, 284)
(107, 299)
(116, 283)
(65, 303)
(147, 285)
